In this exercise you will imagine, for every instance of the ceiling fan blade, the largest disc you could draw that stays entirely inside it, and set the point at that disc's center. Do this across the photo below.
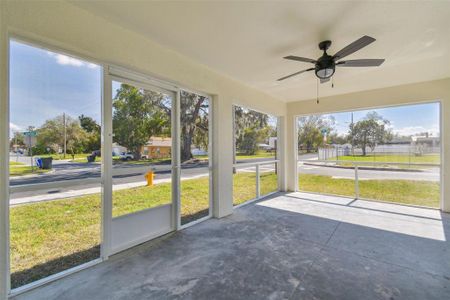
(298, 58)
(361, 63)
(353, 47)
(323, 80)
(286, 77)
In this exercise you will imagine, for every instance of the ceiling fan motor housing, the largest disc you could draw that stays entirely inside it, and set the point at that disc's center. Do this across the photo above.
(325, 66)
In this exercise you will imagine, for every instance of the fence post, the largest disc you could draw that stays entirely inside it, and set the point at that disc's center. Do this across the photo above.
(258, 190)
(356, 183)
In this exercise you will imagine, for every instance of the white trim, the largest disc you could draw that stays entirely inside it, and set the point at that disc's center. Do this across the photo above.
(210, 154)
(295, 139)
(4, 155)
(107, 169)
(54, 277)
(127, 74)
(442, 136)
(210, 163)
(176, 161)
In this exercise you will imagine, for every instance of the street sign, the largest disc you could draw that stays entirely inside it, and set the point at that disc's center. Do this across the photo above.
(30, 141)
(30, 133)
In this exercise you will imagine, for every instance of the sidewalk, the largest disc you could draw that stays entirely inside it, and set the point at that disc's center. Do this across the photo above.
(88, 191)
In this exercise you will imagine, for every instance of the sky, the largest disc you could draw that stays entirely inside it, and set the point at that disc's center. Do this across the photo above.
(404, 120)
(45, 84)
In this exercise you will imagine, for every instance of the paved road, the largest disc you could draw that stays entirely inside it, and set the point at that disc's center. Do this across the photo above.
(68, 171)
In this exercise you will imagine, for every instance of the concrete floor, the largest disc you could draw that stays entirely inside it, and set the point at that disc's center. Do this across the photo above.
(290, 246)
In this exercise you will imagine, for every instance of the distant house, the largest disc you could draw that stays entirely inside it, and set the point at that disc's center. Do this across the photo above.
(429, 141)
(118, 149)
(158, 147)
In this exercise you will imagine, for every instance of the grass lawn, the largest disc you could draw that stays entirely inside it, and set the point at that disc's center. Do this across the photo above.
(79, 156)
(424, 159)
(399, 191)
(19, 169)
(244, 186)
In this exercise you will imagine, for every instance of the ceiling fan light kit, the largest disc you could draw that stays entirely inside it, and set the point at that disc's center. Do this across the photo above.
(325, 66)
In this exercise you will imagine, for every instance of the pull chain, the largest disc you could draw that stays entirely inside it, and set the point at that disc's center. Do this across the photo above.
(317, 91)
(332, 82)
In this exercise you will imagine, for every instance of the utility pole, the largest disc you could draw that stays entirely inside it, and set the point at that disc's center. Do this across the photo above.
(353, 138)
(65, 134)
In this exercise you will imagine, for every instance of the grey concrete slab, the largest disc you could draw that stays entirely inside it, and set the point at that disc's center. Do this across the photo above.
(344, 275)
(283, 247)
(414, 252)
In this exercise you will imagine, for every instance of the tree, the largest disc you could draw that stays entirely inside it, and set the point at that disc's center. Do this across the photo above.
(93, 134)
(194, 123)
(251, 127)
(136, 117)
(369, 132)
(18, 140)
(51, 135)
(310, 131)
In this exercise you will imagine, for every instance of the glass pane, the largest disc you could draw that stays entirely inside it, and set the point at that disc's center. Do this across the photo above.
(142, 149)
(55, 126)
(194, 139)
(268, 179)
(244, 184)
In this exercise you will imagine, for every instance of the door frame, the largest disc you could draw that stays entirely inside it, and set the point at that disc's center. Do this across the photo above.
(139, 81)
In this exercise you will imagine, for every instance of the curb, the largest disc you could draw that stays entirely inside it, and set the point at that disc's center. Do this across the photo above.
(364, 168)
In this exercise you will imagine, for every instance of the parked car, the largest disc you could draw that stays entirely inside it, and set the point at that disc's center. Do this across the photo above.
(96, 153)
(126, 156)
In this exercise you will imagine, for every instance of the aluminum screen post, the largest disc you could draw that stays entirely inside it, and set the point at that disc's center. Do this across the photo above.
(258, 182)
(356, 183)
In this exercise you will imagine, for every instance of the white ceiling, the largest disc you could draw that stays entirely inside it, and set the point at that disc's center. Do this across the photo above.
(247, 40)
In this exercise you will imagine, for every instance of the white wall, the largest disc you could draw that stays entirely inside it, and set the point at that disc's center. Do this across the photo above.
(404, 94)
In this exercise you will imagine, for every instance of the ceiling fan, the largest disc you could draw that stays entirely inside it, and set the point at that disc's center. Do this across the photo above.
(325, 65)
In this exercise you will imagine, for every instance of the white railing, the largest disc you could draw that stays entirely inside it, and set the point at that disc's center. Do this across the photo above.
(257, 165)
(356, 165)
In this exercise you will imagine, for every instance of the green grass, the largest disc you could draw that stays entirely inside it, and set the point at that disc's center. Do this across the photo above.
(19, 169)
(79, 156)
(424, 159)
(244, 186)
(421, 193)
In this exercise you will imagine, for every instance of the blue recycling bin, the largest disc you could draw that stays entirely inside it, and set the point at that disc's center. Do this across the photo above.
(38, 162)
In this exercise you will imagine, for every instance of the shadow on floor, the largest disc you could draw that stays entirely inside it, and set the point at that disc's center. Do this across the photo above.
(54, 266)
